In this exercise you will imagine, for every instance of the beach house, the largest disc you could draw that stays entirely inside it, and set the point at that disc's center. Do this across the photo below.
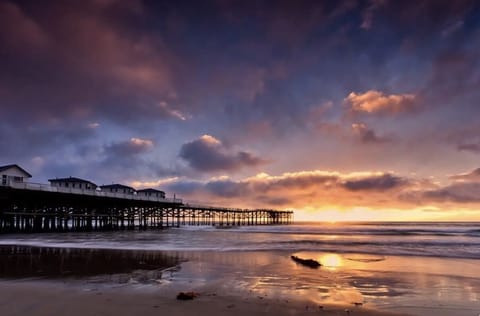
(151, 193)
(117, 188)
(72, 182)
(12, 174)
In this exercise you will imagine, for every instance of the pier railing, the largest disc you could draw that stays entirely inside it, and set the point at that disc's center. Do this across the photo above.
(49, 188)
(34, 207)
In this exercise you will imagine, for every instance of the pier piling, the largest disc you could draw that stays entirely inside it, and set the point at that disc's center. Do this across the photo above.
(33, 211)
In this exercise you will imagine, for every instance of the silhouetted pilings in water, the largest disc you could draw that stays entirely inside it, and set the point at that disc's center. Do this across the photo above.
(36, 211)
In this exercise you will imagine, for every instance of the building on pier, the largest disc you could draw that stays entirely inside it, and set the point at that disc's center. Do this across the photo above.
(73, 204)
(72, 182)
(151, 193)
(117, 188)
(12, 173)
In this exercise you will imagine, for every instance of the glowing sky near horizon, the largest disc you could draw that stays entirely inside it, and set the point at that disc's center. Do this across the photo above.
(340, 110)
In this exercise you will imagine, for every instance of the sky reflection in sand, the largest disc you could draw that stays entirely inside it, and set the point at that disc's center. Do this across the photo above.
(396, 283)
(389, 282)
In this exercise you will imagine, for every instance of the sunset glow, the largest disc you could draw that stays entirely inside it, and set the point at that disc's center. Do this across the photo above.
(340, 111)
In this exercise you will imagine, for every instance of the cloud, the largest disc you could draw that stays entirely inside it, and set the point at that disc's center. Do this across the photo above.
(51, 60)
(27, 35)
(382, 182)
(467, 177)
(297, 189)
(367, 135)
(369, 13)
(154, 183)
(134, 146)
(453, 27)
(374, 101)
(209, 154)
(468, 192)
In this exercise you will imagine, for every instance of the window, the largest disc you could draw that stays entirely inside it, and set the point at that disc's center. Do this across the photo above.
(4, 179)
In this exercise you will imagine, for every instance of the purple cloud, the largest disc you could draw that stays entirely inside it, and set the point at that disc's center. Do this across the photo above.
(209, 154)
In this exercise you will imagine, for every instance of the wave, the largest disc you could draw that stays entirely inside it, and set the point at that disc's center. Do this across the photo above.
(458, 241)
(431, 249)
(321, 231)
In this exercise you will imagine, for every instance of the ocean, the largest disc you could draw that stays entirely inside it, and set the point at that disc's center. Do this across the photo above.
(453, 240)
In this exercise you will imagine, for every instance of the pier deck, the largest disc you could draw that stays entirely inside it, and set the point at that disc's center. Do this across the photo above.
(41, 209)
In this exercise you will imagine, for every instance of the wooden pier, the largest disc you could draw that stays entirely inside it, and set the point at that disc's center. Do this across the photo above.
(34, 210)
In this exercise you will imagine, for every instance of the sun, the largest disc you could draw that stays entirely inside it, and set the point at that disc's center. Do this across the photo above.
(331, 261)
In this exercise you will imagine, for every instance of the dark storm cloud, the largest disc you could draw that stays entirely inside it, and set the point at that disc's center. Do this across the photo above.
(383, 182)
(209, 154)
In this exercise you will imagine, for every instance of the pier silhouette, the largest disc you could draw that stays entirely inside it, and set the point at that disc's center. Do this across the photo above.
(26, 207)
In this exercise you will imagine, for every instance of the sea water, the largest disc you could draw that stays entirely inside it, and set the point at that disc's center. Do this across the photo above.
(453, 240)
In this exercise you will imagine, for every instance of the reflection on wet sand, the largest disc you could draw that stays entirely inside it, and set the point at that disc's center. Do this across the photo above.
(393, 283)
(28, 262)
(355, 279)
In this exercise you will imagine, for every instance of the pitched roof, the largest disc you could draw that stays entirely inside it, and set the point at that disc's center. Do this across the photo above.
(2, 168)
(151, 191)
(70, 180)
(116, 186)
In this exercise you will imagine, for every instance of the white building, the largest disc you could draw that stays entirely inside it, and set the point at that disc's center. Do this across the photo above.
(72, 182)
(117, 188)
(151, 193)
(12, 173)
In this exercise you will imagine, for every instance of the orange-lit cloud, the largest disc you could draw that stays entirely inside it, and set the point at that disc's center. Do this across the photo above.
(298, 189)
(325, 192)
(374, 101)
(153, 184)
(473, 176)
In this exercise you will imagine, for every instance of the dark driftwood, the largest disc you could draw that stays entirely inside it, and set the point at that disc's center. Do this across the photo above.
(185, 296)
(306, 262)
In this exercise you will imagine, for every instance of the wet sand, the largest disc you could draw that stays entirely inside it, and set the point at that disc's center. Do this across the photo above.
(47, 299)
(61, 281)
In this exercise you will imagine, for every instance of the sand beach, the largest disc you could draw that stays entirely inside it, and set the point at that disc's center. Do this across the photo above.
(75, 281)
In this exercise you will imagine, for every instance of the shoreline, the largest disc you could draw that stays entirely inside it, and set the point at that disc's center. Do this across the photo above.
(253, 282)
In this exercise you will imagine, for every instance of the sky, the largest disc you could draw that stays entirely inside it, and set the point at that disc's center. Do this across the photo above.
(338, 110)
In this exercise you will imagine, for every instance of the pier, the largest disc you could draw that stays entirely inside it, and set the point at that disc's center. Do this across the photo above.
(32, 208)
